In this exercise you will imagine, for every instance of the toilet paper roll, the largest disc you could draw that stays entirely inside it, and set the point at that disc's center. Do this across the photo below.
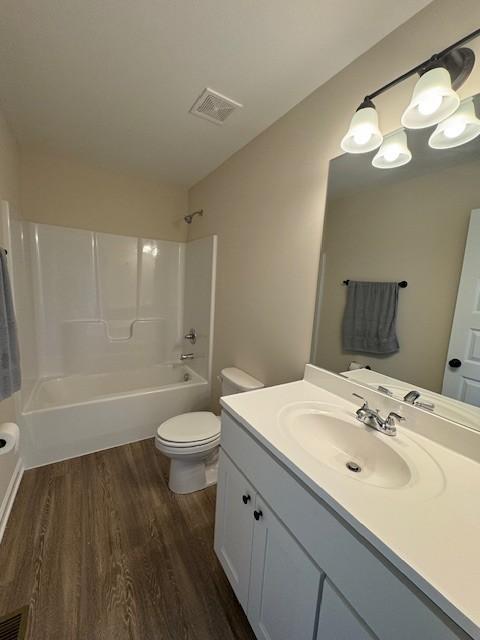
(355, 365)
(358, 365)
(9, 437)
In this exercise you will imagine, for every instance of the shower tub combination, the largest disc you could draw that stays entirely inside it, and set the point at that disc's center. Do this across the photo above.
(102, 321)
(73, 415)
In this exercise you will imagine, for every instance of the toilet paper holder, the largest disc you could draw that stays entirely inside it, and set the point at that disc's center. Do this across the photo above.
(9, 437)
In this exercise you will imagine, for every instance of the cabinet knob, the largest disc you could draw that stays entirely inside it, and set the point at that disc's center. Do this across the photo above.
(246, 498)
(455, 363)
(257, 514)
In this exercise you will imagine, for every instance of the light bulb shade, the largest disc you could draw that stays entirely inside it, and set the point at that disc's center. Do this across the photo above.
(394, 151)
(458, 129)
(363, 134)
(432, 101)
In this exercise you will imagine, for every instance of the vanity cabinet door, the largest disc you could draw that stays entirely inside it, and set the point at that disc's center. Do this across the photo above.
(337, 620)
(284, 582)
(234, 526)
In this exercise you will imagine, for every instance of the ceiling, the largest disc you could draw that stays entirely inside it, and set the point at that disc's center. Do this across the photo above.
(112, 81)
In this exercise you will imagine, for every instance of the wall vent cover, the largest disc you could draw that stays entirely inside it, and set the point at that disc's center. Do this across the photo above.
(213, 106)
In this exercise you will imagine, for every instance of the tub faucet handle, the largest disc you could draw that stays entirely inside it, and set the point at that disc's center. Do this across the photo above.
(191, 336)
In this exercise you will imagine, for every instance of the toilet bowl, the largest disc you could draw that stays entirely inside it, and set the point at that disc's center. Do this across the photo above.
(191, 440)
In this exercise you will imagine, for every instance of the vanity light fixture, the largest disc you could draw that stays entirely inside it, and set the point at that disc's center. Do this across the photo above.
(363, 134)
(433, 100)
(458, 129)
(434, 97)
(394, 151)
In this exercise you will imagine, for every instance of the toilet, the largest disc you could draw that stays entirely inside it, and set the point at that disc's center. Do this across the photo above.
(191, 440)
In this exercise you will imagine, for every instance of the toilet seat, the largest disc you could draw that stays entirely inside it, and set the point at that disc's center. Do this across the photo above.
(171, 450)
(190, 430)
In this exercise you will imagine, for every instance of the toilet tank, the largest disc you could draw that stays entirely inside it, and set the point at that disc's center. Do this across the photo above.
(237, 381)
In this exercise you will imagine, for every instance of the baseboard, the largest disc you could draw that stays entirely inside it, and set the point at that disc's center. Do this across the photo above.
(7, 504)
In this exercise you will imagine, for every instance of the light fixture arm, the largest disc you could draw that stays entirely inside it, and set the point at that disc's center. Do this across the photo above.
(421, 68)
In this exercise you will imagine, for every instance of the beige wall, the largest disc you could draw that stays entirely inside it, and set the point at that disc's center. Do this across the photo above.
(9, 161)
(412, 230)
(266, 202)
(65, 191)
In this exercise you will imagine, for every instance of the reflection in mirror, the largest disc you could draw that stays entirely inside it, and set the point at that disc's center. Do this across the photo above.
(418, 223)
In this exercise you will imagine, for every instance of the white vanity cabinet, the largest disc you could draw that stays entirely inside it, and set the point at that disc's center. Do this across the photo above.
(337, 620)
(284, 582)
(274, 579)
(234, 526)
(299, 571)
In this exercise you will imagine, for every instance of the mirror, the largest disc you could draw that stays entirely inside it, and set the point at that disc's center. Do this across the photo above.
(418, 223)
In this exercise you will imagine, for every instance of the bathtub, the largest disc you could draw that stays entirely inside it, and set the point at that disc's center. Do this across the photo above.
(78, 414)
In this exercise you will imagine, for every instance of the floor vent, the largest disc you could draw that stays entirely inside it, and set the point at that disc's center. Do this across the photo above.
(214, 107)
(14, 625)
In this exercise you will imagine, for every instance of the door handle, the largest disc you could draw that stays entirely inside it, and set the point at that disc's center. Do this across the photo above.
(455, 363)
(257, 514)
(246, 498)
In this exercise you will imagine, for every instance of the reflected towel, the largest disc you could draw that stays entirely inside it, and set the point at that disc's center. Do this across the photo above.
(10, 377)
(369, 321)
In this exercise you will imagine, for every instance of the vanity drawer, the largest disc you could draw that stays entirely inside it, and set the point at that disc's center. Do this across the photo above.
(392, 607)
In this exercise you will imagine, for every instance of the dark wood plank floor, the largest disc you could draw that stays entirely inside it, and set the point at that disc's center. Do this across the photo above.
(102, 550)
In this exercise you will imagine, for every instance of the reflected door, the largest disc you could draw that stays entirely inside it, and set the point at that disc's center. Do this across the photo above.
(462, 369)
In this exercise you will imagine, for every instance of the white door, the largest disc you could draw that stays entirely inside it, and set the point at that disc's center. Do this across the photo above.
(462, 369)
(234, 526)
(337, 620)
(284, 582)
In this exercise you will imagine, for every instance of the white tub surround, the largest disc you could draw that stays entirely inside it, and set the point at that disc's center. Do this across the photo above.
(388, 553)
(102, 320)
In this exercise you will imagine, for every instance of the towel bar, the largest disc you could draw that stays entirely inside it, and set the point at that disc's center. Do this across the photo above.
(403, 284)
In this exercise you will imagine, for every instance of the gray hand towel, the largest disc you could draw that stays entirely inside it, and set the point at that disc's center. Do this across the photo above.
(10, 377)
(370, 317)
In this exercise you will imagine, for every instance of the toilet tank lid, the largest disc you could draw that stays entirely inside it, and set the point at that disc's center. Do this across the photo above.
(243, 381)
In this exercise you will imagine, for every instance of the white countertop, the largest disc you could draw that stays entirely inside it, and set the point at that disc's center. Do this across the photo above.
(432, 537)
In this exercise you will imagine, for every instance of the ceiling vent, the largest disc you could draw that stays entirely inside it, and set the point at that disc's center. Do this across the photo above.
(214, 107)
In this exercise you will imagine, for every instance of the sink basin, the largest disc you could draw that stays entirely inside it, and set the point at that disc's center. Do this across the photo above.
(332, 436)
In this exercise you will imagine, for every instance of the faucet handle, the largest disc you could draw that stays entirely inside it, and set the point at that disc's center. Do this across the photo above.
(191, 336)
(365, 402)
(393, 417)
(384, 390)
(357, 395)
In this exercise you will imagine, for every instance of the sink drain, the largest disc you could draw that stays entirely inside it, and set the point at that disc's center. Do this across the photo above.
(353, 466)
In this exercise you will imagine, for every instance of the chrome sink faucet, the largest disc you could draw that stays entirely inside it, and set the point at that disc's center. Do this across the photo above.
(372, 418)
(411, 396)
